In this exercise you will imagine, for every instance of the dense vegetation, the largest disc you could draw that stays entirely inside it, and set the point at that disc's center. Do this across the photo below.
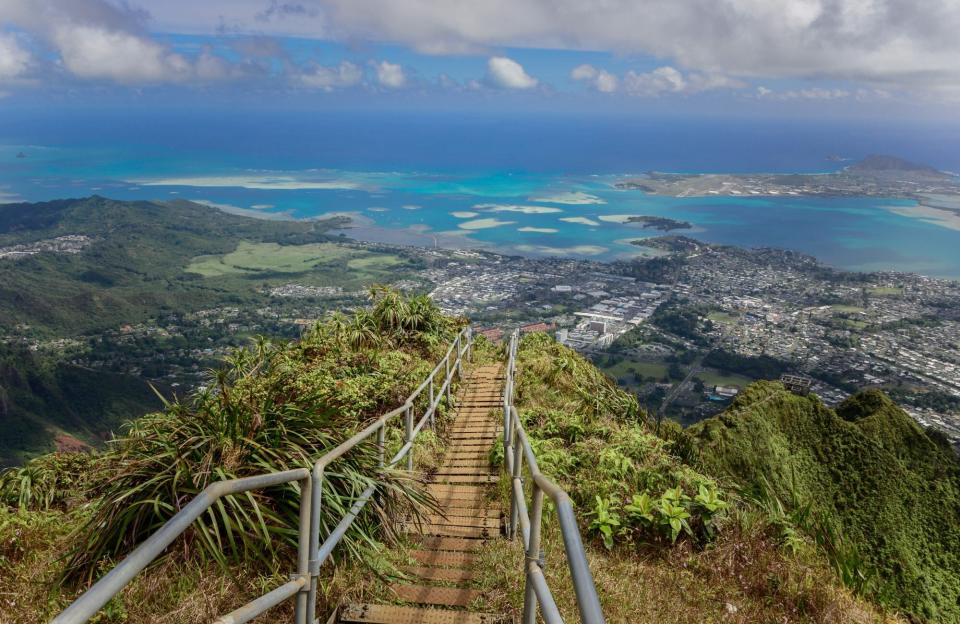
(683, 319)
(667, 542)
(42, 403)
(866, 479)
(757, 367)
(274, 406)
(581, 421)
(136, 266)
(146, 262)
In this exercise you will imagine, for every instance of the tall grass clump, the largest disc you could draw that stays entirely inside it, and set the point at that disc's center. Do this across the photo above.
(274, 406)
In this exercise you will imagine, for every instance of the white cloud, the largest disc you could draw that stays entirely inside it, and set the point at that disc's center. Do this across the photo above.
(14, 60)
(599, 79)
(812, 93)
(508, 74)
(886, 42)
(391, 75)
(93, 52)
(328, 78)
(665, 80)
(101, 40)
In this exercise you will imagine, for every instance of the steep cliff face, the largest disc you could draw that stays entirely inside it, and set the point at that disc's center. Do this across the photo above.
(41, 403)
(866, 469)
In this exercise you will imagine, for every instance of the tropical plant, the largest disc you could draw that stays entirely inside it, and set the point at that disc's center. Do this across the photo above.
(673, 512)
(605, 520)
(272, 407)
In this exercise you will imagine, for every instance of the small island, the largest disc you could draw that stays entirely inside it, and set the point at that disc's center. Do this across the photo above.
(21, 155)
(664, 224)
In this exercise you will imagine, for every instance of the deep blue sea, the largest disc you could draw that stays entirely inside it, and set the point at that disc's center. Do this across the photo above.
(532, 185)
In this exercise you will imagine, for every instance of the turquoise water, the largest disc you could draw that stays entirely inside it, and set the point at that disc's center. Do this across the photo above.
(536, 214)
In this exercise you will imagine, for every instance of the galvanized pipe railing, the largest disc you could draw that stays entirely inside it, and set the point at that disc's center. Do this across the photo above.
(310, 552)
(529, 520)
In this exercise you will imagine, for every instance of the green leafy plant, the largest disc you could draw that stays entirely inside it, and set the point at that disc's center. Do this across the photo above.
(641, 509)
(673, 513)
(605, 520)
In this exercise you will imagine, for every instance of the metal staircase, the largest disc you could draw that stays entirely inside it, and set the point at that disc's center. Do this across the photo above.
(440, 590)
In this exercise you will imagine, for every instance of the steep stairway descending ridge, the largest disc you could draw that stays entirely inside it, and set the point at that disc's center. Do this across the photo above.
(441, 587)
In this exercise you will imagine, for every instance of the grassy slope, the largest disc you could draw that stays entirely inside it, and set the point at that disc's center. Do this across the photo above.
(137, 268)
(277, 406)
(869, 468)
(134, 269)
(574, 414)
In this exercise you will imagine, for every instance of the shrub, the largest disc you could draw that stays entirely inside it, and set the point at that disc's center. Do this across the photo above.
(273, 407)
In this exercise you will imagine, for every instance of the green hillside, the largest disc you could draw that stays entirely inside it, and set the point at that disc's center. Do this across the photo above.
(140, 262)
(668, 538)
(272, 407)
(44, 405)
(136, 263)
(866, 471)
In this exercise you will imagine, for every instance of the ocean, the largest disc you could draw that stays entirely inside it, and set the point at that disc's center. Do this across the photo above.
(529, 185)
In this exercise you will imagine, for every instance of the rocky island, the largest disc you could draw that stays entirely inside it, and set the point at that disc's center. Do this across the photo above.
(664, 224)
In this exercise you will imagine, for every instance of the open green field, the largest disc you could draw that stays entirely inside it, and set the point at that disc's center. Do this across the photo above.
(252, 258)
(849, 309)
(854, 324)
(377, 262)
(627, 369)
(711, 378)
(885, 291)
(722, 317)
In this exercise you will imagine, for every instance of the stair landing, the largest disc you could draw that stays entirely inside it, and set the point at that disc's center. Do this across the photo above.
(440, 588)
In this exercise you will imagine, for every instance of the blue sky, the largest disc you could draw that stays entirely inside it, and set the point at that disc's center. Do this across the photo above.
(727, 58)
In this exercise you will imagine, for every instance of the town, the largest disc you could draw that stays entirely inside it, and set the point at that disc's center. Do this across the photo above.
(685, 331)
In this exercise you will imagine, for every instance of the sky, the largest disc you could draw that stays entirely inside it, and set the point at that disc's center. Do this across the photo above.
(808, 59)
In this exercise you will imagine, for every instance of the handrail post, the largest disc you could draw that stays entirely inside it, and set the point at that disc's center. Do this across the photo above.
(408, 425)
(517, 471)
(448, 378)
(314, 562)
(381, 446)
(301, 615)
(459, 358)
(533, 557)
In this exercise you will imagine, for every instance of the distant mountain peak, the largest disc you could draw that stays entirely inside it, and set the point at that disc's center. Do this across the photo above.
(881, 162)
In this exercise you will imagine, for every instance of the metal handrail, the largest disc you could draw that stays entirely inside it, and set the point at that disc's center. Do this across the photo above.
(310, 552)
(516, 449)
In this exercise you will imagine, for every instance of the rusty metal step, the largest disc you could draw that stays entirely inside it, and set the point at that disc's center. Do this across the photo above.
(470, 436)
(476, 502)
(482, 458)
(465, 471)
(456, 491)
(467, 453)
(473, 464)
(478, 520)
(446, 575)
(466, 508)
(455, 511)
(454, 479)
(432, 595)
(452, 544)
(394, 614)
(444, 530)
(442, 558)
